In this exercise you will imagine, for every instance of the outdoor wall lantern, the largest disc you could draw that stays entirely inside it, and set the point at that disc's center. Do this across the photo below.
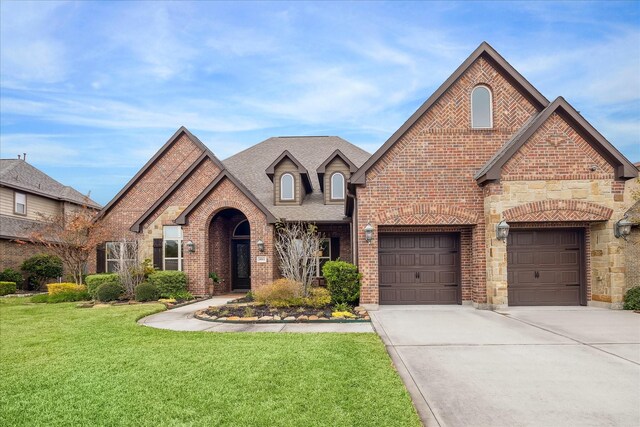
(260, 245)
(502, 230)
(368, 233)
(622, 228)
(191, 247)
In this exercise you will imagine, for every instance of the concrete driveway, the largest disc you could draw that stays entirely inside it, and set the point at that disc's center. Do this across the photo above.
(550, 366)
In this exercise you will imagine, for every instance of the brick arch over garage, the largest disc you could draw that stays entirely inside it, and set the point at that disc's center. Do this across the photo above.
(558, 210)
(226, 196)
(427, 214)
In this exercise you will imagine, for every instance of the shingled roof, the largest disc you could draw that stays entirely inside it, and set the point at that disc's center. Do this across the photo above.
(18, 174)
(249, 167)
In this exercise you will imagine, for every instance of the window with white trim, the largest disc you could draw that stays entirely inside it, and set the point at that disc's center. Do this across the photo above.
(481, 108)
(20, 205)
(120, 254)
(287, 190)
(337, 186)
(324, 255)
(172, 247)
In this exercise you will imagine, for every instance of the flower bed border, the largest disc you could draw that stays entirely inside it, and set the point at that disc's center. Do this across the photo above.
(199, 315)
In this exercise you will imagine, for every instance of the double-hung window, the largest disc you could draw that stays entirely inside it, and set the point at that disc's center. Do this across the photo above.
(120, 255)
(324, 255)
(172, 248)
(20, 203)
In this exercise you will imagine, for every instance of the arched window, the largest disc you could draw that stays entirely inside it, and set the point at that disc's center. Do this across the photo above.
(242, 229)
(337, 186)
(481, 108)
(287, 191)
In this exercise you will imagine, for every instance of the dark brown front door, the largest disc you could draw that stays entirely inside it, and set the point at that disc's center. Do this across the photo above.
(545, 267)
(240, 264)
(419, 269)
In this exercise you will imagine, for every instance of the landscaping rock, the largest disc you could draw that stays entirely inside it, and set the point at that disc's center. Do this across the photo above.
(290, 318)
(213, 317)
(367, 318)
(303, 318)
(265, 318)
(100, 305)
(277, 318)
(233, 318)
(248, 319)
(313, 317)
(222, 319)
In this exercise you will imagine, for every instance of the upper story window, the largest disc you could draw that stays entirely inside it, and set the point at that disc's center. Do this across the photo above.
(287, 189)
(20, 203)
(172, 247)
(481, 108)
(337, 186)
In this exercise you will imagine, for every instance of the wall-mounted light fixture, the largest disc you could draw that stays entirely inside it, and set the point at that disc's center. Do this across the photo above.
(191, 247)
(368, 233)
(622, 228)
(502, 230)
(260, 245)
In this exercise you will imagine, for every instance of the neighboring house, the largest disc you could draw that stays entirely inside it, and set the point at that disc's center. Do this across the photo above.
(485, 149)
(632, 247)
(27, 195)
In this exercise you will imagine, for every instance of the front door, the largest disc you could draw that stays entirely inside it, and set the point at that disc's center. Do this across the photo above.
(241, 265)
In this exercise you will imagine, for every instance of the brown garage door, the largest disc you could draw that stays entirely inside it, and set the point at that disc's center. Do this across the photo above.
(545, 267)
(419, 269)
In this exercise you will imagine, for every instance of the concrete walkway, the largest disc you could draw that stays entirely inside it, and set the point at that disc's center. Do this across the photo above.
(525, 366)
(181, 319)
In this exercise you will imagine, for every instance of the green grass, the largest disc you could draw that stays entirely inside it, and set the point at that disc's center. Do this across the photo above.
(62, 365)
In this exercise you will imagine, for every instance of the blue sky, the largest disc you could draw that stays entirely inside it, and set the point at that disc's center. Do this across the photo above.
(90, 90)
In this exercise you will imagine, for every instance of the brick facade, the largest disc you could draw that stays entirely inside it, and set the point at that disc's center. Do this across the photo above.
(13, 253)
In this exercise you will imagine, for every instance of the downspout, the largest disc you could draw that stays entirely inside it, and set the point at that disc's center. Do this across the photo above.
(354, 228)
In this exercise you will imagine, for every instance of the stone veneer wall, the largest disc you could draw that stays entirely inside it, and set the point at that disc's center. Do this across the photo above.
(567, 203)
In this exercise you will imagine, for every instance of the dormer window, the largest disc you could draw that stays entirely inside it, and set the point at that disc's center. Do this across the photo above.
(287, 187)
(481, 108)
(337, 186)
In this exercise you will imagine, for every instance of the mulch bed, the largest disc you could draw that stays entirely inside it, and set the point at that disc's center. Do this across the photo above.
(253, 313)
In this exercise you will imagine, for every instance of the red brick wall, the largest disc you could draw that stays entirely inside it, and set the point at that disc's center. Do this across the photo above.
(433, 166)
(12, 254)
(556, 151)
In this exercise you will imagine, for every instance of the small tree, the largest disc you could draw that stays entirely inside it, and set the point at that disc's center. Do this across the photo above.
(42, 267)
(72, 237)
(130, 271)
(297, 246)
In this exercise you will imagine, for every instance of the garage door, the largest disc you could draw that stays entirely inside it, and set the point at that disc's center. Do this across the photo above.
(419, 269)
(545, 267)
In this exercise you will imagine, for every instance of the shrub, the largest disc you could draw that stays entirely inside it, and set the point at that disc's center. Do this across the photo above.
(95, 280)
(42, 267)
(146, 291)
(169, 282)
(343, 281)
(319, 298)
(7, 288)
(69, 296)
(632, 299)
(11, 275)
(182, 296)
(281, 293)
(58, 288)
(342, 306)
(109, 292)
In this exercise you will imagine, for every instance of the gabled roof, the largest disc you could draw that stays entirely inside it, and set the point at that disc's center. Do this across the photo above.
(183, 217)
(249, 167)
(322, 168)
(137, 226)
(493, 168)
(176, 136)
(20, 175)
(270, 171)
(484, 50)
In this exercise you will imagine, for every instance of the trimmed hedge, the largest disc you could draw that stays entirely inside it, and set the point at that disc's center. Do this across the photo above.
(632, 299)
(95, 280)
(109, 292)
(146, 292)
(7, 288)
(11, 275)
(58, 288)
(169, 283)
(343, 281)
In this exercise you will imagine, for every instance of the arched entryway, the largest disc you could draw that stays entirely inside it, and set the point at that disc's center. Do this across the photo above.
(230, 250)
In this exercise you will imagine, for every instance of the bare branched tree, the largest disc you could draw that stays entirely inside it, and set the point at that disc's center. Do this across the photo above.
(72, 236)
(297, 245)
(127, 266)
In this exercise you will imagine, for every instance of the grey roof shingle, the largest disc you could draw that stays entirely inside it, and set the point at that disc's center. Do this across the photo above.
(21, 175)
(12, 227)
(311, 151)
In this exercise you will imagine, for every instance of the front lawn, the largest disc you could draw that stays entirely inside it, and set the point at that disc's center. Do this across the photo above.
(62, 365)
